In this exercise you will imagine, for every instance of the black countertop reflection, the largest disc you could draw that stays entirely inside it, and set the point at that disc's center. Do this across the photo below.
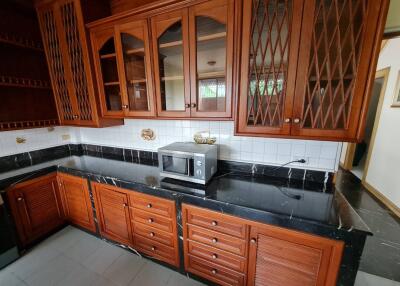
(289, 199)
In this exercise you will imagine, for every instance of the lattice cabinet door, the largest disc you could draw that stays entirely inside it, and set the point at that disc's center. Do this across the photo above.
(57, 62)
(271, 30)
(133, 53)
(211, 29)
(335, 55)
(72, 29)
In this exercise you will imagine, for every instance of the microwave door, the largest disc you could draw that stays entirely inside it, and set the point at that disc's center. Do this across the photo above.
(177, 165)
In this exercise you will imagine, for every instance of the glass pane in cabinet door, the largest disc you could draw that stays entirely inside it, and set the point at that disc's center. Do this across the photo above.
(135, 70)
(170, 49)
(269, 55)
(109, 72)
(211, 64)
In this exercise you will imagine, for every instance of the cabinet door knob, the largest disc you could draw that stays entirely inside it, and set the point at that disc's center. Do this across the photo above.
(125, 106)
(253, 240)
(153, 248)
(152, 234)
(150, 220)
(214, 271)
(20, 199)
(76, 116)
(296, 120)
(187, 105)
(214, 240)
(149, 206)
(193, 105)
(287, 120)
(124, 205)
(214, 256)
(214, 223)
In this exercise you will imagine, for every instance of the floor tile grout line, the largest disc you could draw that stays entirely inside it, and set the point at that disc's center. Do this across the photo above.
(137, 274)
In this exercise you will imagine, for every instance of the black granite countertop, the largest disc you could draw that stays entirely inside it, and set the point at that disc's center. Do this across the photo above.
(285, 201)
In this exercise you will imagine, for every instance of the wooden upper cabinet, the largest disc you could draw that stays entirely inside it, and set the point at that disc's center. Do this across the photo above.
(64, 37)
(37, 208)
(285, 257)
(170, 39)
(271, 31)
(211, 58)
(334, 63)
(123, 69)
(302, 73)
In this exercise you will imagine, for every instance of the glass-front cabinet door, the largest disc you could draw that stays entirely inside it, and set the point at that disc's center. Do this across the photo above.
(135, 68)
(270, 44)
(171, 63)
(107, 73)
(211, 58)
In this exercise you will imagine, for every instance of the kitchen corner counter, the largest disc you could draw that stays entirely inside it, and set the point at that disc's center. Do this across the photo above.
(300, 205)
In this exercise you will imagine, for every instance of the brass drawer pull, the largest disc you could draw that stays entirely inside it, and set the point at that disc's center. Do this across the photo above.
(149, 206)
(153, 248)
(214, 240)
(214, 256)
(214, 271)
(152, 234)
(150, 220)
(214, 223)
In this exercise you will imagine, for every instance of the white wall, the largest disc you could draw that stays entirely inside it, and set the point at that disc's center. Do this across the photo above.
(319, 155)
(384, 169)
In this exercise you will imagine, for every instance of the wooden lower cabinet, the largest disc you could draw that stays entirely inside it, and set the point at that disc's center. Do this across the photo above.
(144, 222)
(36, 207)
(112, 213)
(76, 201)
(269, 255)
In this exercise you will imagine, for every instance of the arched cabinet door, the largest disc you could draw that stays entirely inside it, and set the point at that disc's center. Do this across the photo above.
(171, 63)
(135, 69)
(108, 78)
(270, 46)
(211, 58)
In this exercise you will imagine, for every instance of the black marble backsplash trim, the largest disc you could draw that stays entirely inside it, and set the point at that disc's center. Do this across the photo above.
(26, 159)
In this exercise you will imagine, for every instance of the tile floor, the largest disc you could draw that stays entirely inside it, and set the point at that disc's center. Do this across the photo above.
(72, 257)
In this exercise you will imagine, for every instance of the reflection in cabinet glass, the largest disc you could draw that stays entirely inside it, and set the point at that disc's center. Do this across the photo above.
(170, 55)
(211, 63)
(109, 71)
(135, 72)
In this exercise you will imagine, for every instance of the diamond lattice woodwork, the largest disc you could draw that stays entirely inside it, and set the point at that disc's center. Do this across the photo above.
(337, 36)
(268, 61)
(69, 20)
(56, 67)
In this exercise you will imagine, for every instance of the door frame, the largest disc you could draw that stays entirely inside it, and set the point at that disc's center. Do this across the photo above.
(351, 147)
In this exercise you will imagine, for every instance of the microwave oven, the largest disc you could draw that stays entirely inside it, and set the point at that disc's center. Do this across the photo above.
(188, 161)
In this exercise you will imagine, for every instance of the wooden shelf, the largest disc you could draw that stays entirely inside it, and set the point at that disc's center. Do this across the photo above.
(134, 51)
(111, 83)
(199, 39)
(28, 124)
(24, 82)
(108, 56)
(176, 77)
(20, 42)
(211, 75)
(133, 81)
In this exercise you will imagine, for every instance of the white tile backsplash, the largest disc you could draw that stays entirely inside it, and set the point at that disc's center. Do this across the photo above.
(320, 155)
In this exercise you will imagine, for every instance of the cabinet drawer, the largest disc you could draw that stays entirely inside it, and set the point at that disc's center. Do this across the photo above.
(152, 220)
(219, 240)
(215, 221)
(154, 234)
(153, 204)
(214, 272)
(217, 256)
(155, 249)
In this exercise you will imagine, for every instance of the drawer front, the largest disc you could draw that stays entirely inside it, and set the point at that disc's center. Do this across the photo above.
(152, 220)
(215, 221)
(217, 256)
(155, 249)
(153, 204)
(214, 272)
(219, 240)
(154, 234)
